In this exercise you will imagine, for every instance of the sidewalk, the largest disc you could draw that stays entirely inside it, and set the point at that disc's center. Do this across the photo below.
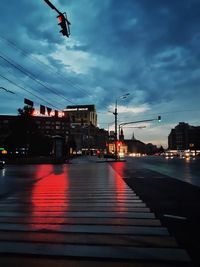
(84, 214)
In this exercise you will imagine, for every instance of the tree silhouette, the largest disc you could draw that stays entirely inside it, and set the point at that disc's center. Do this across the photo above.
(27, 111)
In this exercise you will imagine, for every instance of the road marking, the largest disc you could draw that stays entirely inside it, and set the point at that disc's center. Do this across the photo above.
(174, 217)
(97, 251)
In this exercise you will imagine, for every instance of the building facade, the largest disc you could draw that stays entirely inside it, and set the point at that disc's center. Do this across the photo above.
(81, 115)
(49, 126)
(184, 136)
(86, 135)
(34, 135)
(77, 127)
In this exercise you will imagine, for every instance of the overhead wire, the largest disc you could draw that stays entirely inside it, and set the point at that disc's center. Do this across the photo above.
(8, 71)
(21, 87)
(7, 90)
(30, 75)
(27, 54)
(173, 112)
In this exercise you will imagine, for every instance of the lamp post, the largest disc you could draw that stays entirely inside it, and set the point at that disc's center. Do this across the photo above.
(115, 114)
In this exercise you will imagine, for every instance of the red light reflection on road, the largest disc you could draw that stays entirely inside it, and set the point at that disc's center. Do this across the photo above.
(120, 186)
(49, 197)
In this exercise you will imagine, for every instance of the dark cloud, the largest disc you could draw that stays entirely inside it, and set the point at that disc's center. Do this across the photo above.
(149, 48)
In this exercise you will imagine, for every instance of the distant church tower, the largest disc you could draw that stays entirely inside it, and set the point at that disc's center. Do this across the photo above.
(133, 137)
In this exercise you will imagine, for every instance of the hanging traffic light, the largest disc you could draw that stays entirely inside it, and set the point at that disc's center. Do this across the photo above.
(64, 24)
(62, 19)
(159, 118)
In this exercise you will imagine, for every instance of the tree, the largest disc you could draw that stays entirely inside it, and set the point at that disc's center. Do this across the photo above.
(27, 111)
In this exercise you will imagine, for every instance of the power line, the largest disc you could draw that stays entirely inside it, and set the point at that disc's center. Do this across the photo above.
(21, 87)
(177, 111)
(29, 86)
(32, 76)
(9, 91)
(168, 112)
(173, 112)
(27, 54)
(37, 61)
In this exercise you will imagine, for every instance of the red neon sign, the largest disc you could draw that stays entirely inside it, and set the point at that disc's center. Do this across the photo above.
(52, 113)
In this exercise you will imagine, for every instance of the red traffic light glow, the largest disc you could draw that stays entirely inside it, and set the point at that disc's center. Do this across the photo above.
(60, 19)
(64, 27)
(119, 144)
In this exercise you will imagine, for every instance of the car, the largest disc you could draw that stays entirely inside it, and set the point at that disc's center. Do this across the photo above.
(2, 164)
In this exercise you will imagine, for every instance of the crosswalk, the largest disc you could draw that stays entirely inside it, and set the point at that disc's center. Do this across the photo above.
(84, 211)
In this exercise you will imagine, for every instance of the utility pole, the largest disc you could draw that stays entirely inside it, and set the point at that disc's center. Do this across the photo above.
(115, 114)
(115, 139)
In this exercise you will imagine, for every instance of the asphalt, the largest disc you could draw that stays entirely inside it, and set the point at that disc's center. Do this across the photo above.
(175, 203)
(110, 216)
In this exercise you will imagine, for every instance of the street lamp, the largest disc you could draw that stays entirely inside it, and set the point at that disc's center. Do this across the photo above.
(115, 113)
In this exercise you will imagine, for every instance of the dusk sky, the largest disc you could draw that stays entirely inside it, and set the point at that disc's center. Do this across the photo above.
(148, 48)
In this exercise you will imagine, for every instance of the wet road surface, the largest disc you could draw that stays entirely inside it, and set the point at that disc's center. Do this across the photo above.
(183, 169)
(175, 200)
(81, 211)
